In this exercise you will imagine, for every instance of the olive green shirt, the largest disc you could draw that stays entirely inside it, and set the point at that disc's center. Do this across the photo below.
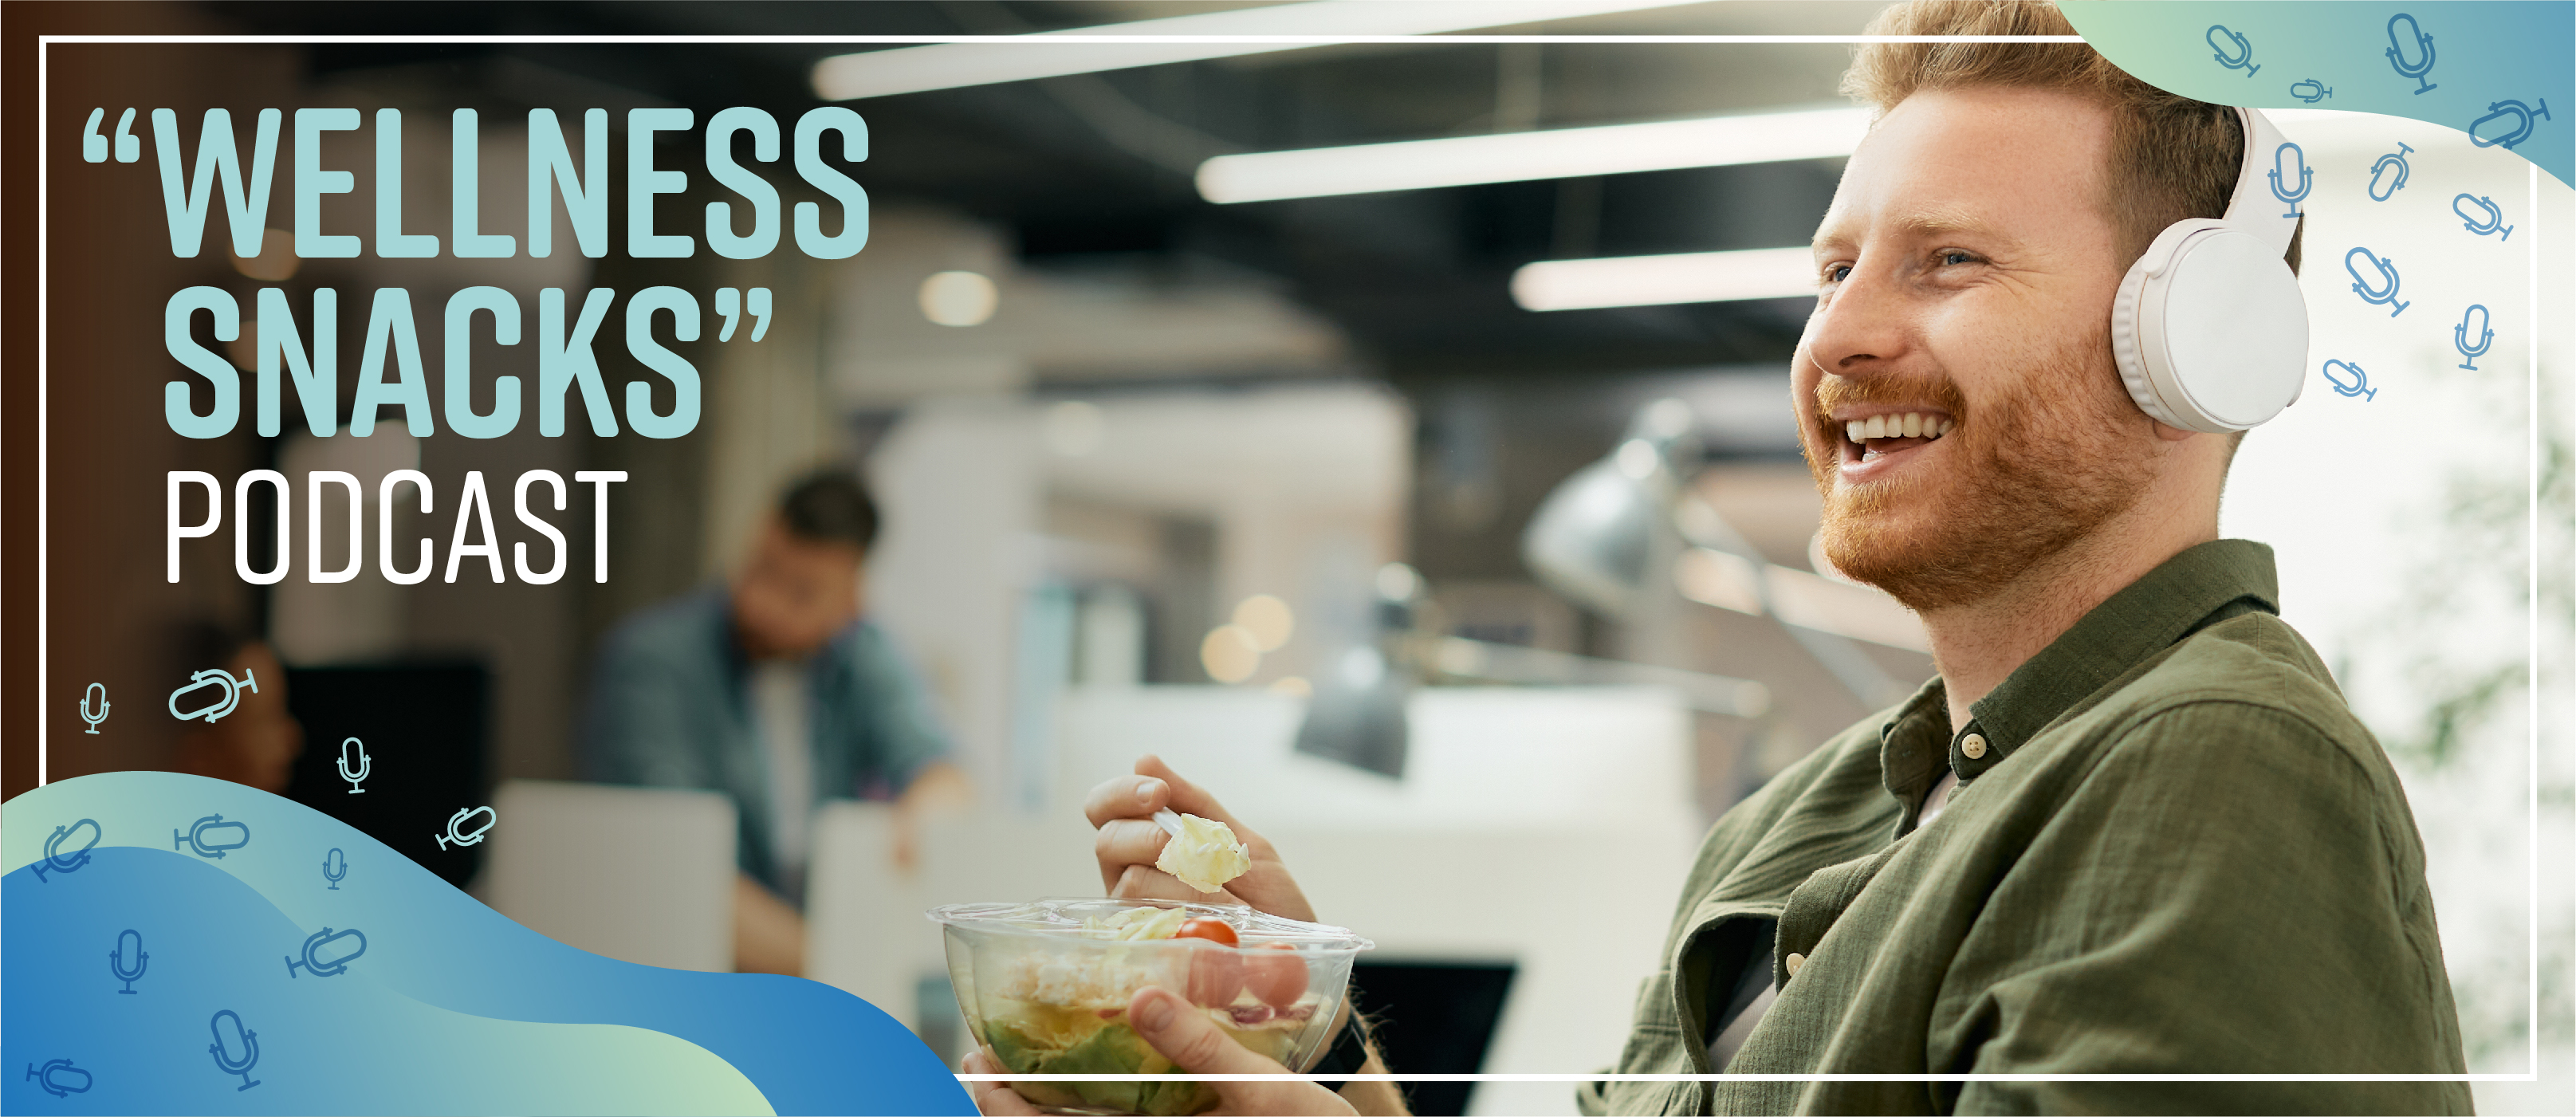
(2172, 850)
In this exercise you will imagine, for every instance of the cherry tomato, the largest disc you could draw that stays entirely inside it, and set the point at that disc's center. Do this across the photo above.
(1275, 974)
(1203, 927)
(1216, 975)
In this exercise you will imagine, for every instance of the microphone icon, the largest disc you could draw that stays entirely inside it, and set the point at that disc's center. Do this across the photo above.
(243, 1038)
(59, 1078)
(2502, 109)
(455, 827)
(56, 860)
(2460, 336)
(214, 677)
(2299, 160)
(2395, 159)
(324, 957)
(2244, 50)
(116, 964)
(2360, 385)
(352, 746)
(335, 868)
(2310, 91)
(100, 691)
(2423, 42)
(2490, 219)
(196, 836)
(2361, 286)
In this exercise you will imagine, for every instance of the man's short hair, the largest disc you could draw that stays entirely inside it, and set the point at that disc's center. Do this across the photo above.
(2171, 157)
(830, 506)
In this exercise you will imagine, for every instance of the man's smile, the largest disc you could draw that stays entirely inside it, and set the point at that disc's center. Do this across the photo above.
(1877, 438)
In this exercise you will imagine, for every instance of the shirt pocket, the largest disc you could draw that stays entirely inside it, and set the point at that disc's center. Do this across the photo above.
(1816, 904)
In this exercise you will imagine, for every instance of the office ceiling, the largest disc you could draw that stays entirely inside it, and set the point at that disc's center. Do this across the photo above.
(1094, 167)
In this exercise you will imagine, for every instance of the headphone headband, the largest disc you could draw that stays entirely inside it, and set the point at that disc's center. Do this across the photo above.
(2251, 208)
(2208, 328)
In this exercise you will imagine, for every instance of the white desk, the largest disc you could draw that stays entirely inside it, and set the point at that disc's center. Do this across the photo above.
(641, 874)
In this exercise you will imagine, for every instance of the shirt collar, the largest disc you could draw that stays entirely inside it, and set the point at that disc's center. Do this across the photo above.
(1911, 756)
(2199, 587)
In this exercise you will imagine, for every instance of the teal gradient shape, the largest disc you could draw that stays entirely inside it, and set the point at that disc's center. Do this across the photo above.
(2485, 52)
(344, 1044)
(452, 1007)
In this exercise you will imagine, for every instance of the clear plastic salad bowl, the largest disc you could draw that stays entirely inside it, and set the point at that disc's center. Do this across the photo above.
(1044, 987)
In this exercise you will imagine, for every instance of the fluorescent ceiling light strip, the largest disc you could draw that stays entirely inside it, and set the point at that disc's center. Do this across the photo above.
(1685, 277)
(882, 73)
(1608, 149)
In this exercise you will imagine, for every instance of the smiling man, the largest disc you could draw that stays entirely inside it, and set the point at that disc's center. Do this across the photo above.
(2131, 832)
(2131, 828)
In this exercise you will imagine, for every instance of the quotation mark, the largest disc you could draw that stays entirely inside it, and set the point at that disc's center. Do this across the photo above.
(729, 306)
(129, 147)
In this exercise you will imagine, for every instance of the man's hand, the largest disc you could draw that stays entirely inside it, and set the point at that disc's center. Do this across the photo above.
(1128, 842)
(937, 788)
(1195, 1046)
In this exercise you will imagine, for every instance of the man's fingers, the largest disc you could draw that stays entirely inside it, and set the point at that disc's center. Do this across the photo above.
(1125, 797)
(1124, 842)
(993, 1097)
(1145, 882)
(1188, 1038)
(1184, 796)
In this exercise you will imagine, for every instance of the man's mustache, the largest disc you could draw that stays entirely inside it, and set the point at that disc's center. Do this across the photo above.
(1840, 391)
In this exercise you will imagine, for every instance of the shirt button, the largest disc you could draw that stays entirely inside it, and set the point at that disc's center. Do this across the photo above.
(1974, 747)
(1793, 962)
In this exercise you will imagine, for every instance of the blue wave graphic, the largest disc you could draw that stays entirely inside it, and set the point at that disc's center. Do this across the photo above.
(448, 1008)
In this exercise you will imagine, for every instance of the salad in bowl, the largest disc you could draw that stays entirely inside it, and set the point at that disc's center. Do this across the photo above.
(1045, 986)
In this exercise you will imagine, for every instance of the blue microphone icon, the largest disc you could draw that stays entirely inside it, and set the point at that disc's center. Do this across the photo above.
(2310, 91)
(2499, 110)
(58, 861)
(2489, 218)
(215, 677)
(243, 1038)
(328, 954)
(59, 1078)
(354, 770)
(2361, 285)
(206, 837)
(2299, 160)
(2244, 59)
(457, 833)
(116, 963)
(2395, 159)
(2360, 385)
(2460, 336)
(2422, 42)
(97, 691)
(335, 868)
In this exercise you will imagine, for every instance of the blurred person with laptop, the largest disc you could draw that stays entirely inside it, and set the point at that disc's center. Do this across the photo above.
(2130, 851)
(775, 690)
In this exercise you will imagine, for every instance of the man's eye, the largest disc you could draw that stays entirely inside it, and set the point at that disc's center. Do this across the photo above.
(1837, 273)
(1956, 256)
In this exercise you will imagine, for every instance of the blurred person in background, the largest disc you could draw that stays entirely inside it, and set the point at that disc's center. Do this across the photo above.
(775, 691)
(2131, 827)
(255, 744)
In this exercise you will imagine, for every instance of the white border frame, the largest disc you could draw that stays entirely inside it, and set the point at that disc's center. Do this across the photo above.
(2532, 452)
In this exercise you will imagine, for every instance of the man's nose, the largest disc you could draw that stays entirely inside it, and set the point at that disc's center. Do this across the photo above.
(1863, 322)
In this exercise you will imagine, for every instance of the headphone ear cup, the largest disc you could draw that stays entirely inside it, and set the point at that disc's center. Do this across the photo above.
(2209, 330)
(2129, 343)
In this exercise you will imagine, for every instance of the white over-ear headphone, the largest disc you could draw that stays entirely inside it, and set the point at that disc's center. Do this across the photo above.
(2208, 327)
